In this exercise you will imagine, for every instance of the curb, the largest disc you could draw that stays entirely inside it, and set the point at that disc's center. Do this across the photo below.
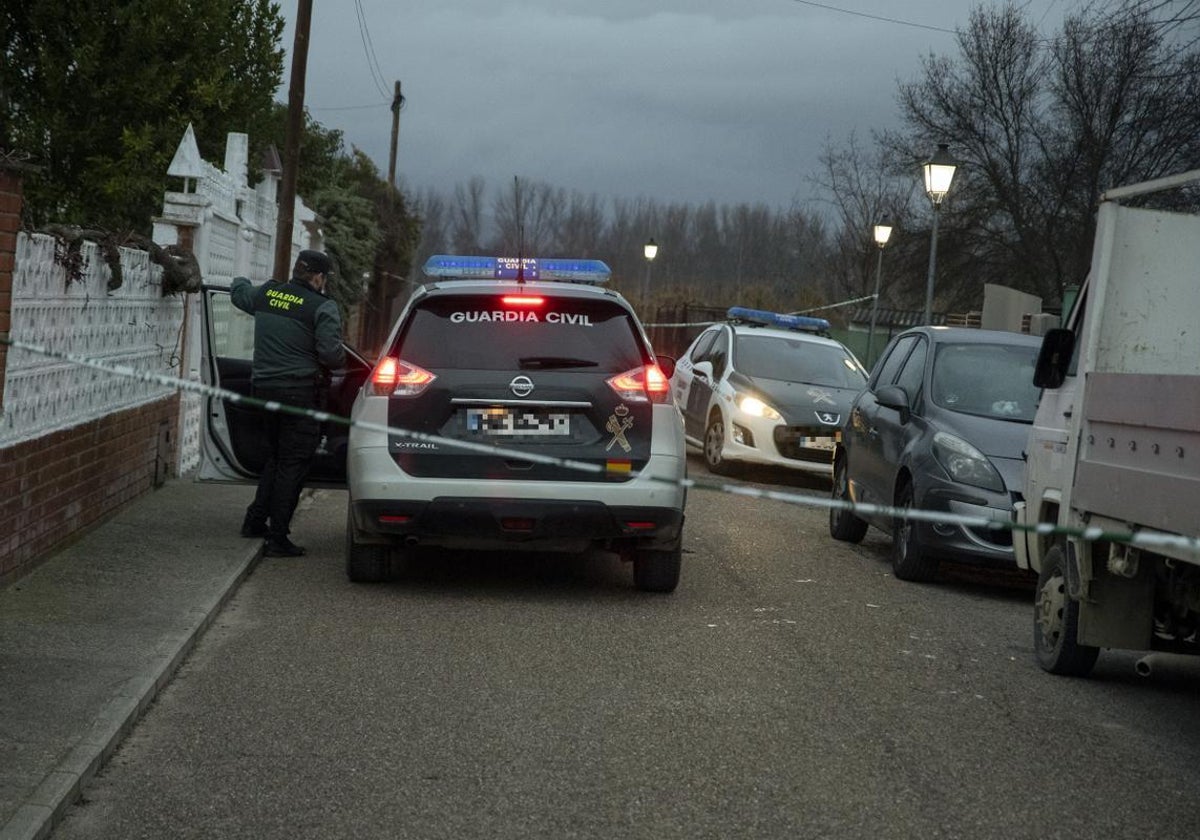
(61, 788)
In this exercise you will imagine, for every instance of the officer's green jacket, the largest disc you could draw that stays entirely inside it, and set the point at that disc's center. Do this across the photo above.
(297, 331)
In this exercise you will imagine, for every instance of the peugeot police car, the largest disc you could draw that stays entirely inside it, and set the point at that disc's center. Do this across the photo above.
(766, 388)
(517, 404)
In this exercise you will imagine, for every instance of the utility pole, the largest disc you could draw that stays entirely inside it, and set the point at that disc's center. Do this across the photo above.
(291, 144)
(397, 103)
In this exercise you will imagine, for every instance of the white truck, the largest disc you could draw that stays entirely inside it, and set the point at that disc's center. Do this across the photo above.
(1115, 446)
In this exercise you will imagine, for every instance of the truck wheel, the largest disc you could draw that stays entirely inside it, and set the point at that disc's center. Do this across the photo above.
(844, 525)
(909, 561)
(365, 563)
(714, 445)
(1056, 622)
(657, 571)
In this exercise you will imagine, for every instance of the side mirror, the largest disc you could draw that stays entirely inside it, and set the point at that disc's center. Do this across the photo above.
(1054, 358)
(704, 369)
(666, 364)
(896, 398)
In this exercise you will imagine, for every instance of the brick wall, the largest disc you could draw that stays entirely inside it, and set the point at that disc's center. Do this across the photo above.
(53, 487)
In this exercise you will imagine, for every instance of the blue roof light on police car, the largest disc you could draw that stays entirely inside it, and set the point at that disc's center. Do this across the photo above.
(508, 268)
(777, 319)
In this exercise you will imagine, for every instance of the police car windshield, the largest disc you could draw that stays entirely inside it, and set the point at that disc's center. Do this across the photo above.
(796, 360)
(480, 332)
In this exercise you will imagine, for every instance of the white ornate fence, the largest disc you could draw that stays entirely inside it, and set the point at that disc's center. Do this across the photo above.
(230, 227)
(134, 325)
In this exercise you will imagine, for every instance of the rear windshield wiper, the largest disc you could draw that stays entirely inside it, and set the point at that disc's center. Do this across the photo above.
(554, 362)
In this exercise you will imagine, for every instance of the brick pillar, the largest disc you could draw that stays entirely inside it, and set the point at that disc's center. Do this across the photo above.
(10, 223)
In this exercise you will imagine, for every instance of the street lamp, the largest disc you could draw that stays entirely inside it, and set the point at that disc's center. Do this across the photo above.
(939, 172)
(883, 232)
(650, 249)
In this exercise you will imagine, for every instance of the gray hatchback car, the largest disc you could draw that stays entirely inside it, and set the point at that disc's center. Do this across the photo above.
(941, 426)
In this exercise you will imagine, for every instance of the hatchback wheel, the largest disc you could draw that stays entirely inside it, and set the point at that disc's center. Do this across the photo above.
(714, 446)
(909, 562)
(844, 525)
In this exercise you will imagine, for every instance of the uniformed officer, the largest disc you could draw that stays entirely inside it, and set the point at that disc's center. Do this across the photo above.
(297, 344)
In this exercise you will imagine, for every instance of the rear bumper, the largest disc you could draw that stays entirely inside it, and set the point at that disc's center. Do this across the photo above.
(467, 522)
(390, 506)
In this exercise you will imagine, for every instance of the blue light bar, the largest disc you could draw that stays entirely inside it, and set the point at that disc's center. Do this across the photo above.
(776, 319)
(506, 268)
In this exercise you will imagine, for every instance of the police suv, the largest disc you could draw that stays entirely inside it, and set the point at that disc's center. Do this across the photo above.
(766, 388)
(517, 404)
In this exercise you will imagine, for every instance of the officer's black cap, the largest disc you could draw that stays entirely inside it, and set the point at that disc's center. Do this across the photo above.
(314, 261)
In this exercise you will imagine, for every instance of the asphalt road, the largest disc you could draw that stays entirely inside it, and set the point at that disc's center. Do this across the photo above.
(790, 688)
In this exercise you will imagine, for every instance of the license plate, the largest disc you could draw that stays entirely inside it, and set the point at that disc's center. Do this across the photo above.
(506, 422)
(817, 442)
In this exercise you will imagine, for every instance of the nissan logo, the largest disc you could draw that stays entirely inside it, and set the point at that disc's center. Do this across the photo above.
(522, 386)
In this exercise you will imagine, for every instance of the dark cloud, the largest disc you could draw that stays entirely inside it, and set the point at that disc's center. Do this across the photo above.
(680, 100)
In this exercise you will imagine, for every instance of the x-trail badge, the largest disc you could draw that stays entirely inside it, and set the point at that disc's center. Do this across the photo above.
(522, 386)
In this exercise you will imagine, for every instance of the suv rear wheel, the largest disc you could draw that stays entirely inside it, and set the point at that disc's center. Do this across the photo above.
(365, 563)
(657, 571)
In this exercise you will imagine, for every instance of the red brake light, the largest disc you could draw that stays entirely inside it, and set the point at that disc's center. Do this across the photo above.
(394, 377)
(642, 384)
(522, 300)
(656, 382)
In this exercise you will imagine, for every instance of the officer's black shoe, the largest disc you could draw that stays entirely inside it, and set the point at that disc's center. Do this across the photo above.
(282, 547)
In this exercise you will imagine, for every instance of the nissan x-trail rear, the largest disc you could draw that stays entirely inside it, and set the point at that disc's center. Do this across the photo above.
(512, 410)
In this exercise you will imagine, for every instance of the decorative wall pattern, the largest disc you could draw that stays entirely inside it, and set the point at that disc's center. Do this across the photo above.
(133, 325)
(232, 229)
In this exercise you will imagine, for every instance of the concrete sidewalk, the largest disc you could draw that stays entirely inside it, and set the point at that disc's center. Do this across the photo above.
(89, 638)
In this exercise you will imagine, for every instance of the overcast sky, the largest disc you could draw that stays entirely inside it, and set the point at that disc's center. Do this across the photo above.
(673, 100)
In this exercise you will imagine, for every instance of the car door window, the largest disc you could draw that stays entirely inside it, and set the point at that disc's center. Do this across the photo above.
(885, 373)
(913, 373)
(719, 356)
(703, 345)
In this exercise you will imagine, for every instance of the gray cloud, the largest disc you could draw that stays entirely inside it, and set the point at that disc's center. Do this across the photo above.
(678, 100)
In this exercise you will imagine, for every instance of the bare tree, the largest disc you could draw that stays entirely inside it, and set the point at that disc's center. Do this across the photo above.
(863, 190)
(1042, 128)
(467, 225)
(528, 215)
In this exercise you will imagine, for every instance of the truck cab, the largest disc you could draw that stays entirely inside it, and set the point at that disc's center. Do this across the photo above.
(1110, 513)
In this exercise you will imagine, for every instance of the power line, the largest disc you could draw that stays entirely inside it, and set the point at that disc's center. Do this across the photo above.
(364, 34)
(897, 21)
(387, 103)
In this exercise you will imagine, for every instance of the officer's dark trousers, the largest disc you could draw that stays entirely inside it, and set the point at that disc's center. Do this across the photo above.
(292, 440)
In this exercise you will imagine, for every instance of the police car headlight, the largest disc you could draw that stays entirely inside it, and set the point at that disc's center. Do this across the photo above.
(755, 407)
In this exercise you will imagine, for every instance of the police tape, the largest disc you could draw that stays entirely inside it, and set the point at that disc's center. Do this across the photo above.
(1140, 538)
(837, 305)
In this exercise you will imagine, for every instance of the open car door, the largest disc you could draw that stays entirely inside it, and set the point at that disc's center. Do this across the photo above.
(233, 445)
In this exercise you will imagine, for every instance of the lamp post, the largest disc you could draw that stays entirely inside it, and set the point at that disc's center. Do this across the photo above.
(883, 232)
(939, 172)
(650, 250)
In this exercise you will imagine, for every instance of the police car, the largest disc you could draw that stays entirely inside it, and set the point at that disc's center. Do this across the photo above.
(766, 388)
(491, 360)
